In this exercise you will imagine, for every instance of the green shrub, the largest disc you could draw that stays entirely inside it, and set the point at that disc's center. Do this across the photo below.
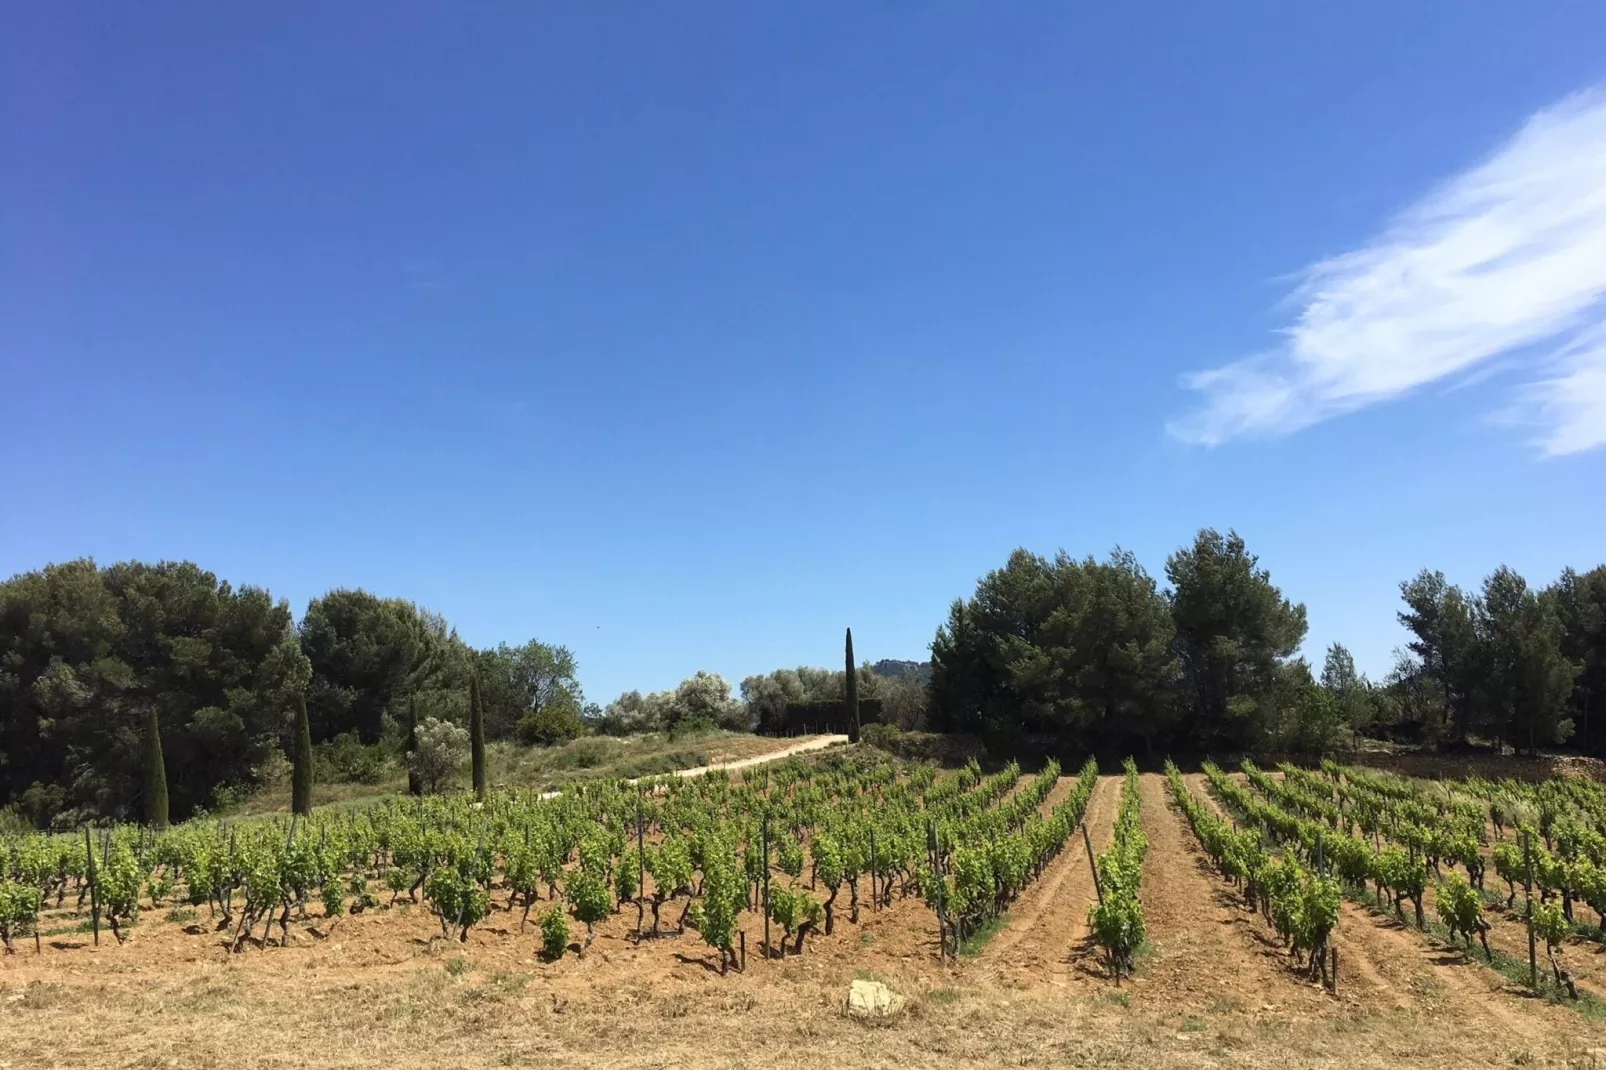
(554, 934)
(550, 725)
(691, 726)
(884, 736)
(588, 894)
(346, 760)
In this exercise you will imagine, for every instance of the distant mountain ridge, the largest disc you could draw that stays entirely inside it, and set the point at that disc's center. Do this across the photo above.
(893, 667)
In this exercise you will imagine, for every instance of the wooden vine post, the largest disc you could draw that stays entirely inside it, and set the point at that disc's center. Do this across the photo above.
(94, 885)
(1092, 863)
(766, 840)
(641, 865)
(945, 930)
(875, 900)
(1528, 894)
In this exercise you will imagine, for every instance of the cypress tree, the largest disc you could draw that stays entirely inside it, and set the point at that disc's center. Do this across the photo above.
(301, 774)
(476, 732)
(155, 774)
(415, 783)
(852, 693)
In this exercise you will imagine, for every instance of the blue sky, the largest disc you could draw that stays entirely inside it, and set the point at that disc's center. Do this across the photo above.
(688, 334)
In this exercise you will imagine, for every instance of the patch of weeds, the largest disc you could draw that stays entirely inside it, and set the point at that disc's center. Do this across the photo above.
(42, 995)
(509, 983)
(865, 939)
(208, 998)
(945, 996)
(1225, 1005)
(1511, 968)
(1190, 1024)
(864, 975)
(677, 1006)
(182, 915)
(1120, 999)
(973, 944)
(458, 966)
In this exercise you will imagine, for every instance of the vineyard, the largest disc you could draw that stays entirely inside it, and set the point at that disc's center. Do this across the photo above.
(791, 842)
(1245, 905)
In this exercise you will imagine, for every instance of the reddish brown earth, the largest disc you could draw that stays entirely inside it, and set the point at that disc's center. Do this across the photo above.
(1214, 989)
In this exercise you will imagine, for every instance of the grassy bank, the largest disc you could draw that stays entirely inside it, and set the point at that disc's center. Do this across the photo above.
(513, 765)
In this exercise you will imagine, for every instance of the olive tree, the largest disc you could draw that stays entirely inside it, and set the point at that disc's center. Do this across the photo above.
(441, 745)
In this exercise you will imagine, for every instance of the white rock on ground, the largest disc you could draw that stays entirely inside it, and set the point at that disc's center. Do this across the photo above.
(872, 999)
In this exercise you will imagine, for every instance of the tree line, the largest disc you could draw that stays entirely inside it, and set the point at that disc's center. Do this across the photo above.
(141, 689)
(95, 662)
(106, 672)
(1099, 656)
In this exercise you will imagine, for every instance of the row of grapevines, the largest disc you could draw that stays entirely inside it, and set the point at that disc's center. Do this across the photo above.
(1301, 904)
(1117, 918)
(977, 868)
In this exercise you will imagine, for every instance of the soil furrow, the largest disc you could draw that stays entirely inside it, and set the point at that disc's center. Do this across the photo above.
(1050, 919)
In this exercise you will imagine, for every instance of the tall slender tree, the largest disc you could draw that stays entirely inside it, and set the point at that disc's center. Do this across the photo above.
(155, 773)
(851, 692)
(415, 782)
(301, 773)
(476, 731)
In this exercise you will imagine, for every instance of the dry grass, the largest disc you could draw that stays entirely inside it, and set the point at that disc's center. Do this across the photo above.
(427, 1013)
(546, 768)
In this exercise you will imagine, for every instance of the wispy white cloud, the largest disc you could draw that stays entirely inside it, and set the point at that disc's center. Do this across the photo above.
(1506, 260)
(1569, 408)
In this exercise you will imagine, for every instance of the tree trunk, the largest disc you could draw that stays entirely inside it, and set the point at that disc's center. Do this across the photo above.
(802, 931)
(155, 774)
(301, 774)
(851, 693)
(476, 731)
(415, 782)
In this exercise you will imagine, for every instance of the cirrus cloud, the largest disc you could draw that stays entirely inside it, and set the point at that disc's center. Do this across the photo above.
(1505, 260)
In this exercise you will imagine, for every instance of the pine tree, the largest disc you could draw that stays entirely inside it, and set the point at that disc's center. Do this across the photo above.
(301, 773)
(415, 783)
(155, 774)
(476, 730)
(851, 693)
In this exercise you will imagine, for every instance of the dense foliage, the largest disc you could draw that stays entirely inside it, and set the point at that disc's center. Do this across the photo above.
(1097, 656)
(1506, 663)
(123, 683)
(88, 654)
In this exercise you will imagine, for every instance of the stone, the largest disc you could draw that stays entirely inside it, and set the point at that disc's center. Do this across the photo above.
(872, 999)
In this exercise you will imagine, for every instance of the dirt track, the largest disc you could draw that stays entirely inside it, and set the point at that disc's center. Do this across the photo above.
(813, 743)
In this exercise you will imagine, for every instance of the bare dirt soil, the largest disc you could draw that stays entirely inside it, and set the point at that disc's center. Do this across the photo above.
(1214, 989)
